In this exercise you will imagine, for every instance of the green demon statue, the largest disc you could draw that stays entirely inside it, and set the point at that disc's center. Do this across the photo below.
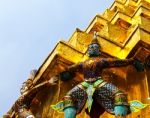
(97, 94)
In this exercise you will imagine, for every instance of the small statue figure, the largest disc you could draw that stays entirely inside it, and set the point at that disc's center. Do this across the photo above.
(28, 93)
(97, 94)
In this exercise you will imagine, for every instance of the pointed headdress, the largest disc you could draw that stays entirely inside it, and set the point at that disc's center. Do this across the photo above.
(95, 40)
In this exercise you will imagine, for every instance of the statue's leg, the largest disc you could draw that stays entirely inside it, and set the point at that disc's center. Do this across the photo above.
(70, 112)
(103, 95)
(74, 101)
(112, 99)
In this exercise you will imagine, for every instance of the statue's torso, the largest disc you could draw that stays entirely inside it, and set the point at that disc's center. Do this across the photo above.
(92, 67)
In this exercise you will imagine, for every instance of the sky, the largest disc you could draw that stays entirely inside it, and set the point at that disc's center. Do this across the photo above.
(29, 30)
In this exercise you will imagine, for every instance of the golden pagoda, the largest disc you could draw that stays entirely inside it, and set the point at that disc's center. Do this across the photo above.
(123, 32)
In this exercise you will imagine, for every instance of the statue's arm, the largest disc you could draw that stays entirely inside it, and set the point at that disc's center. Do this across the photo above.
(69, 73)
(110, 62)
(30, 95)
(147, 62)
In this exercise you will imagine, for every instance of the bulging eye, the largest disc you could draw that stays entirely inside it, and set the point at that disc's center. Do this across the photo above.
(91, 46)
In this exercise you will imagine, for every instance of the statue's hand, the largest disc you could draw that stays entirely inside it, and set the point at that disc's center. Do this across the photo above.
(18, 103)
(120, 110)
(66, 75)
(138, 65)
(53, 80)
